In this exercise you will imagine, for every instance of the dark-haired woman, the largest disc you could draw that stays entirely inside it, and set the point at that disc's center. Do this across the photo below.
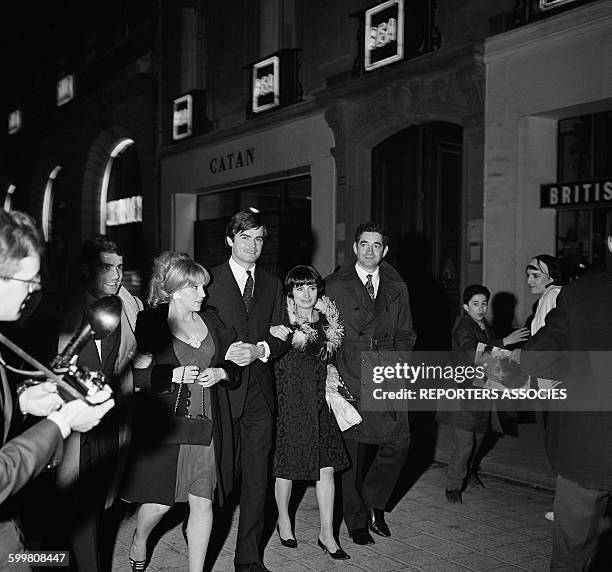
(181, 363)
(309, 443)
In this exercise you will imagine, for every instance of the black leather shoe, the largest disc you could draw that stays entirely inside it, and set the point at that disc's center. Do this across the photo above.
(251, 567)
(289, 542)
(338, 555)
(376, 522)
(361, 536)
(453, 496)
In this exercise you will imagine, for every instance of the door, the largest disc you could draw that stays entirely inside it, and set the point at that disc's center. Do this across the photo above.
(416, 196)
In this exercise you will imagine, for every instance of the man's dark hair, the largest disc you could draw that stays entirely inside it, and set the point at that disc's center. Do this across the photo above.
(19, 238)
(371, 227)
(301, 276)
(244, 220)
(90, 253)
(474, 289)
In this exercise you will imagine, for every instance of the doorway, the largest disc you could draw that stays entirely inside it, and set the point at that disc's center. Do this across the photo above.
(416, 196)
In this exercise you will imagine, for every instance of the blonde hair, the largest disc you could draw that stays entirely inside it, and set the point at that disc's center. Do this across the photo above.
(171, 272)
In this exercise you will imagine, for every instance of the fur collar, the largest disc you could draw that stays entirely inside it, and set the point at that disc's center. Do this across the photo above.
(303, 332)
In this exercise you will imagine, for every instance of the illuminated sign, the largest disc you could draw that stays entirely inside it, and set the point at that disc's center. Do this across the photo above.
(14, 122)
(124, 211)
(182, 117)
(266, 81)
(550, 4)
(65, 90)
(572, 194)
(384, 34)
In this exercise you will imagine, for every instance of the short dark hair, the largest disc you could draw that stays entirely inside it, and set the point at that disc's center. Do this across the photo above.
(19, 238)
(474, 289)
(371, 227)
(554, 268)
(90, 252)
(244, 220)
(303, 275)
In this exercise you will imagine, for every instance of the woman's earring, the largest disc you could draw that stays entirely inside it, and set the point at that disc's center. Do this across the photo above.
(176, 296)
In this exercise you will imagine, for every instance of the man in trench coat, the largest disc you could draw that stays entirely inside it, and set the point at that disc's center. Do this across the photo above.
(374, 307)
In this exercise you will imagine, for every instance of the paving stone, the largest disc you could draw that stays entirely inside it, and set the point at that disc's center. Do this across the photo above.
(500, 530)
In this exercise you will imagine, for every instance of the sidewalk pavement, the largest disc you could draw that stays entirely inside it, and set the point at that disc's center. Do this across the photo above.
(501, 528)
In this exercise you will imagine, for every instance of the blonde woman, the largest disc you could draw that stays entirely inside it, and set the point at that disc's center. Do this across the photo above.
(182, 344)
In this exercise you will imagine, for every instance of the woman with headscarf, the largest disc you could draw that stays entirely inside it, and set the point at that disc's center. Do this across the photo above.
(544, 279)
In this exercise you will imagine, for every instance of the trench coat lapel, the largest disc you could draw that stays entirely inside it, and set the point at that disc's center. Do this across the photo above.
(360, 299)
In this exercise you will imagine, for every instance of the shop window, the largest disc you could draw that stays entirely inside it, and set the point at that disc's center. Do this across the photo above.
(584, 145)
(121, 210)
(286, 209)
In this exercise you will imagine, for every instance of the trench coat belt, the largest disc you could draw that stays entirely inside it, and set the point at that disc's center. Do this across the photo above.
(369, 344)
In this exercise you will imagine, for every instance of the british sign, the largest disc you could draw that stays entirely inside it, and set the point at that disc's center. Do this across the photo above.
(579, 193)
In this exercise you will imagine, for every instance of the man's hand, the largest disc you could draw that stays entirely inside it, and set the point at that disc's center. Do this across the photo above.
(517, 336)
(243, 354)
(40, 399)
(81, 416)
(281, 332)
(211, 375)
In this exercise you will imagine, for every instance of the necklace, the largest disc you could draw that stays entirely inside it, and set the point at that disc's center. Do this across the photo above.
(195, 341)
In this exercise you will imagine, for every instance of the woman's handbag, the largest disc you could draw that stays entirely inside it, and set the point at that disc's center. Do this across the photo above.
(188, 430)
(346, 415)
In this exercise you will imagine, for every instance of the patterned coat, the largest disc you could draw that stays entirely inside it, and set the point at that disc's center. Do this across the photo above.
(306, 428)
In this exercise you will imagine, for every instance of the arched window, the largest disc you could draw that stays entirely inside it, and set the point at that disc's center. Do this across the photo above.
(117, 150)
(8, 198)
(47, 210)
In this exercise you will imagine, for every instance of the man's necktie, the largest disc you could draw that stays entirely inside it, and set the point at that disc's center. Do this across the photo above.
(247, 295)
(369, 286)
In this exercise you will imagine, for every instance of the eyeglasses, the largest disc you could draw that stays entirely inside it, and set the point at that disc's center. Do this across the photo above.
(33, 285)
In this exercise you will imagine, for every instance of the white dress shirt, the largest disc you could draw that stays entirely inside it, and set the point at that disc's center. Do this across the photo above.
(240, 275)
(363, 276)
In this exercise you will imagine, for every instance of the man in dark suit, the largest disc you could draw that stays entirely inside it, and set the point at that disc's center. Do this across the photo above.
(250, 300)
(97, 459)
(41, 445)
(373, 302)
(575, 345)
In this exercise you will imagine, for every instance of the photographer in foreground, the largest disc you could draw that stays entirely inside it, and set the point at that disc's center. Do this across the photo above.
(28, 454)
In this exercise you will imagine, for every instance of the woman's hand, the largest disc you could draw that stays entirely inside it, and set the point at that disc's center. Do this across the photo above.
(211, 375)
(517, 336)
(333, 377)
(281, 332)
(185, 374)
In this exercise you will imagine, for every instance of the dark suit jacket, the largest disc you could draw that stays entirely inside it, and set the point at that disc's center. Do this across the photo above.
(21, 458)
(578, 337)
(384, 324)
(267, 309)
(474, 415)
(153, 336)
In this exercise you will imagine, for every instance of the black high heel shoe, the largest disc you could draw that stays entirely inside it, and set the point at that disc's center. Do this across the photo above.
(137, 565)
(338, 555)
(289, 543)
